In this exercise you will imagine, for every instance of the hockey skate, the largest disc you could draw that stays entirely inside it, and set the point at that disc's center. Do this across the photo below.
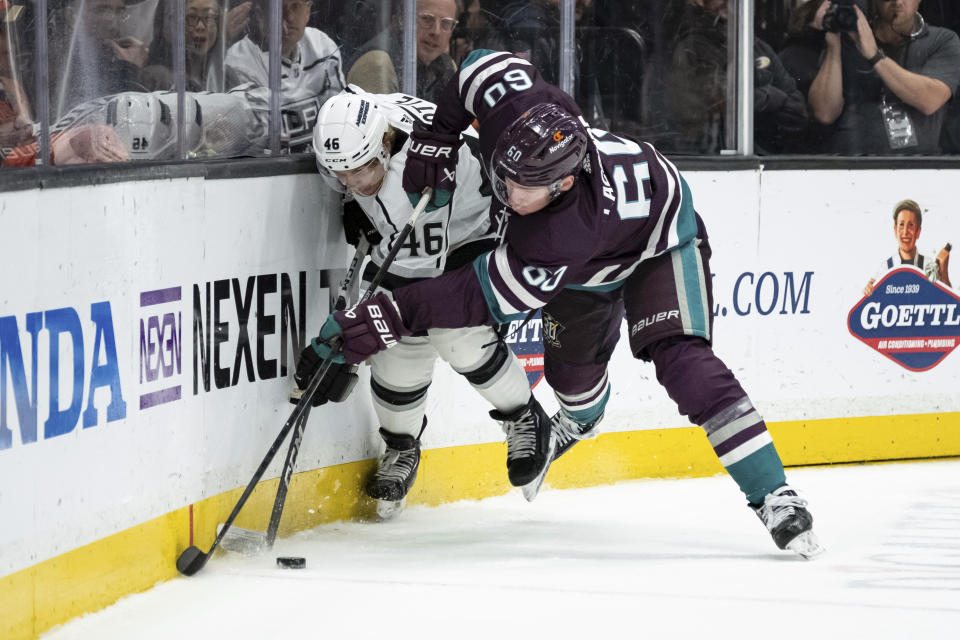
(785, 515)
(530, 445)
(565, 433)
(396, 472)
(569, 432)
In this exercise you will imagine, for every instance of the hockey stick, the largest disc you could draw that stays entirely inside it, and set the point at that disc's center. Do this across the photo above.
(294, 449)
(363, 246)
(193, 559)
(250, 541)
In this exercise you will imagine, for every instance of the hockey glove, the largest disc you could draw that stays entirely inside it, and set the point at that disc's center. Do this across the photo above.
(431, 162)
(366, 329)
(357, 224)
(335, 385)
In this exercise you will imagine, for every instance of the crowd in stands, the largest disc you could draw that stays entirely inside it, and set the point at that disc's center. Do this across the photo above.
(883, 84)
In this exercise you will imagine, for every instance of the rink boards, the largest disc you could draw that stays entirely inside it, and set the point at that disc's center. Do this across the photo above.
(148, 332)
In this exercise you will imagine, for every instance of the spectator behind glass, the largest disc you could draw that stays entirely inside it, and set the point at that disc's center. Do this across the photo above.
(801, 58)
(531, 30)
(886, 87)
(205, 46)
(479, 28)
(311, 69)
(946, 13)
(378, 67)
(93, 53)
(697, 83)
(16, 123)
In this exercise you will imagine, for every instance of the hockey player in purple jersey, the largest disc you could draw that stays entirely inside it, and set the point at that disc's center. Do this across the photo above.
(598, 227)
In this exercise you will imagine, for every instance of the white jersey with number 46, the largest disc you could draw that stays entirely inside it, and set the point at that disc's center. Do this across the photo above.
(438, 233)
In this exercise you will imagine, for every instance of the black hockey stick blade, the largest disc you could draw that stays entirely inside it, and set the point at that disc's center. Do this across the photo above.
(192, 560)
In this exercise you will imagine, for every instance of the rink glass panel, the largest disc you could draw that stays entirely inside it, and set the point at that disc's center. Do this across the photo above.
(660, 70)
(17, 80)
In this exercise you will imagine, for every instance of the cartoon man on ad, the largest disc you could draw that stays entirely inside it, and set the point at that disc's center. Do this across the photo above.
(908, 312)
(907, 221)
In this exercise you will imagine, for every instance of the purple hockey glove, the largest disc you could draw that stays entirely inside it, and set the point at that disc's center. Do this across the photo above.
(431, 162)
(366, 329)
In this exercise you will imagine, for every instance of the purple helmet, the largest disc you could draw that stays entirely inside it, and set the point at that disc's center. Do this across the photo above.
(543, 146)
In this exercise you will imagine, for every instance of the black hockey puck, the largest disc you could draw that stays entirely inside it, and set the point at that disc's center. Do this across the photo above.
(291, 562)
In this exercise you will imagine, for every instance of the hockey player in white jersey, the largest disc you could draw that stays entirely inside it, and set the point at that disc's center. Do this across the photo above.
(361, 143)
(311, 69)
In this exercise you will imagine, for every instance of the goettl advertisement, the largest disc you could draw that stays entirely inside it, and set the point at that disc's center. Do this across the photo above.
(909, 311)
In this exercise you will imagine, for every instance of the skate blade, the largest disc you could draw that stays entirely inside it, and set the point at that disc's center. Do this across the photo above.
(806, 545)
(532, 488)
(390, 509)
(243, 541)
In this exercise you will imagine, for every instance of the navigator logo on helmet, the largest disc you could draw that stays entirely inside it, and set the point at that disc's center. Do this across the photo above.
(540, 148)
(349, 134)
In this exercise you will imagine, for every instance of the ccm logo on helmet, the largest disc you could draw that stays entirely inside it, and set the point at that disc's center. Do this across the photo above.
(429, 150)
(383, 330)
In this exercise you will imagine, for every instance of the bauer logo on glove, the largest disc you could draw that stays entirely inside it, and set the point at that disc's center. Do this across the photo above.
(366, 329)
(431, 162)
(431, 151)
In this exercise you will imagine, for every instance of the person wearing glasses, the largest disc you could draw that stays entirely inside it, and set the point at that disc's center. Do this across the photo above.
(378, 69)
(311, 69)
(93, 53)
(208, 31)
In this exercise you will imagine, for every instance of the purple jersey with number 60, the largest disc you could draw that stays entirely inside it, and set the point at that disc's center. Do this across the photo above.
(628, 204)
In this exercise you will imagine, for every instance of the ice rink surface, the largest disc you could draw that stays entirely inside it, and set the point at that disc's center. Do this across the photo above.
(651, 559)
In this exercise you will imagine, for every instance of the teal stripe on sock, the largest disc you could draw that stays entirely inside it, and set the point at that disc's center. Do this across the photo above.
(586, 416)
(759, 473)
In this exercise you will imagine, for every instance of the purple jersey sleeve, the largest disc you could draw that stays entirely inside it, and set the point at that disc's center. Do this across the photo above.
(495, 88)
(453, 300)
(497, 287)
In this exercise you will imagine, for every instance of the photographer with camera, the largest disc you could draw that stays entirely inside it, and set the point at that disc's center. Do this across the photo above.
(884, 86)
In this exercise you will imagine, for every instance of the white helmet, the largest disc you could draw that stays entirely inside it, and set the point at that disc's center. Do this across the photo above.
(349, 133)
(146, 123)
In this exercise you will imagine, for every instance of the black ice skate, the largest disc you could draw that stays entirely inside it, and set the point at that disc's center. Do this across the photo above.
(529, 444)
(784, 514)
(569, 432)
(396, 472)
(566, 433)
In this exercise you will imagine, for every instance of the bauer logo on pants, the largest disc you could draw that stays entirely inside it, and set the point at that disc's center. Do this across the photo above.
(526, 343)
(909, 319)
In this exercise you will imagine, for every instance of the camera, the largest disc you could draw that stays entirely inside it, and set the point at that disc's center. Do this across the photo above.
(841, 16)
